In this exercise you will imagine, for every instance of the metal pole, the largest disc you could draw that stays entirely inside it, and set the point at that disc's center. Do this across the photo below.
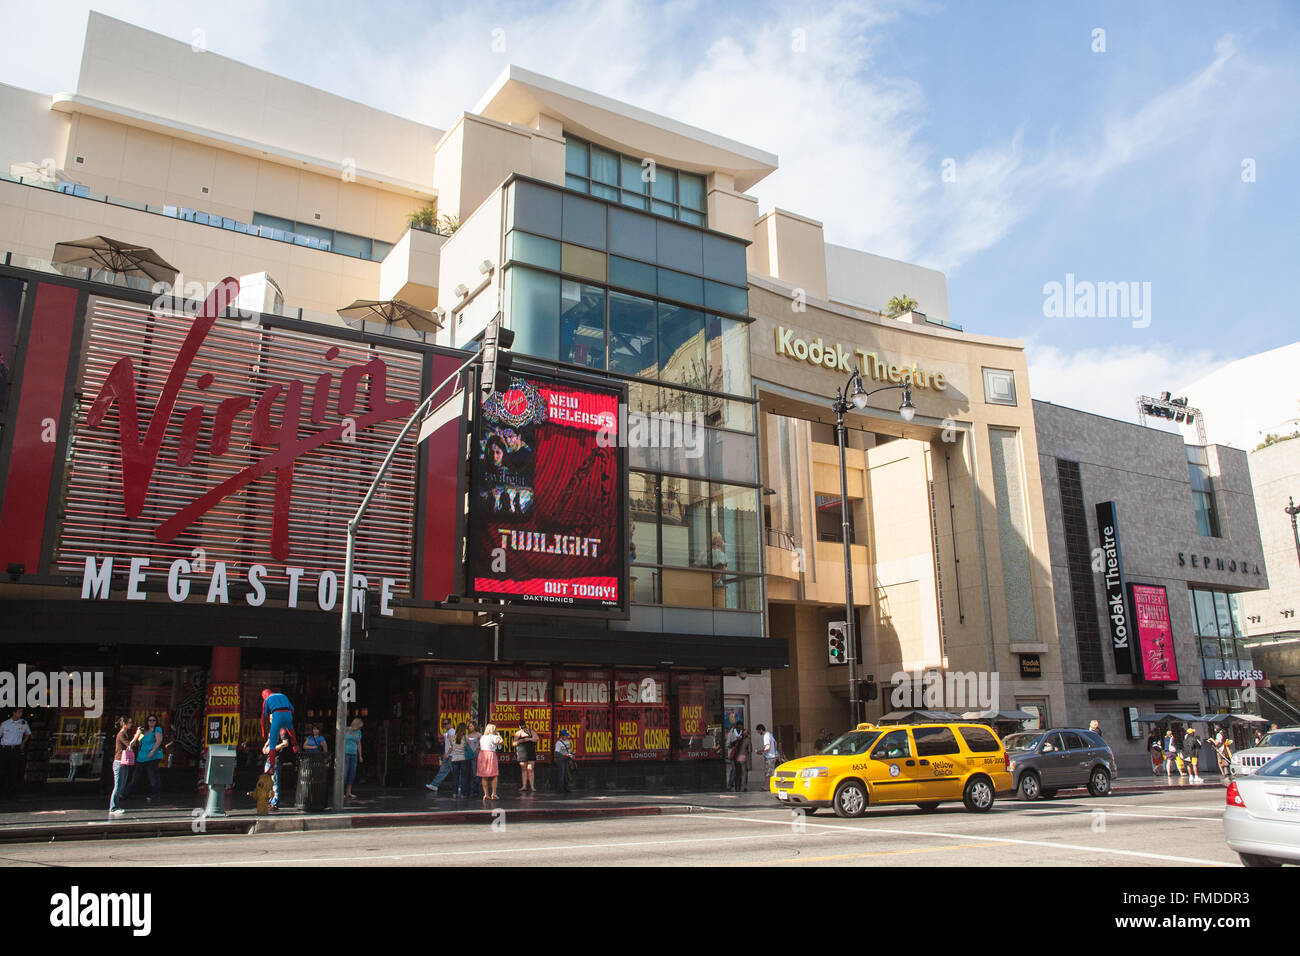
(1292, 510)
(850, 624)
(345, 628)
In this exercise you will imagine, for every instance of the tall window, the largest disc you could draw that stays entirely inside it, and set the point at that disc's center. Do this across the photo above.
(634, 182)
(1198, 469)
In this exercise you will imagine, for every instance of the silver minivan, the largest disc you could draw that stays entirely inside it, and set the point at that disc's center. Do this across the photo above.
(1045, 761)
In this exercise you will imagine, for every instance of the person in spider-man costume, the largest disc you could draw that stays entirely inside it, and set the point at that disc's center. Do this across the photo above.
(276, 710)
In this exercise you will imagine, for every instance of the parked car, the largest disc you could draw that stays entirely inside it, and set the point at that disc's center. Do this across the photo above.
(1275, 742)
(1262, 821)
(1045, 761)
(924, 764)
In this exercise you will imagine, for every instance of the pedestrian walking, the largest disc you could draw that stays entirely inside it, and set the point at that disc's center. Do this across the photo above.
(489, 745)
(740, 750)
(1156, 752)
(123, 760)
(149, 740)
(1172, 756)
(526, 753)
(769, 751)
(14, 734)
(1192, 744)
(1223, 753)
(563, 754)
(445, 769)
(352, 756)
(460, 766)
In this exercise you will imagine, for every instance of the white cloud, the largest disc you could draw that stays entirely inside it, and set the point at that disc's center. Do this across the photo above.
(1107, 381)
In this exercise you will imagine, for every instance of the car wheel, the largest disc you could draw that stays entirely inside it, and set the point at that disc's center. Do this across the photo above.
(1099, 783)
(1030, 786)
(1254, 859)
(1047, 794)
(929, 806)
(979, 794)
(850, 799)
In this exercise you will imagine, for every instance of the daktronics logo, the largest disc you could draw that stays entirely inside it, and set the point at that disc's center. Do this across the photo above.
(236, 444)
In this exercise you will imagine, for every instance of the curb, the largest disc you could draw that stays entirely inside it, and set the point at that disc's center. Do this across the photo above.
(246, 826)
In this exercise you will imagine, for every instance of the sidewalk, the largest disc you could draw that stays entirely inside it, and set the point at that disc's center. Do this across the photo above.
(43, 820)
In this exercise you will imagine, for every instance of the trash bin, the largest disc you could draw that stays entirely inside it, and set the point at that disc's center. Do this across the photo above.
(313, 782)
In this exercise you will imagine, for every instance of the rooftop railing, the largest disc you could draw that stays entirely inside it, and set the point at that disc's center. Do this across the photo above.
(197, 216)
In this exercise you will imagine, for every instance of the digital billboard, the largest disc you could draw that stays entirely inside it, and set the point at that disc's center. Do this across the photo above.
(546, 504)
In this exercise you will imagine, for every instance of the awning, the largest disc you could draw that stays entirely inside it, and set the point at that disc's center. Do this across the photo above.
(918, 717)
(997, 715)
(1168, 717)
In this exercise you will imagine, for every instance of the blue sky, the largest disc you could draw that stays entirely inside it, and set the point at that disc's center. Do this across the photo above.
(1115, 166)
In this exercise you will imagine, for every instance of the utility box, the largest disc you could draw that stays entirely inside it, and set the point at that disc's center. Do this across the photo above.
(221, 766)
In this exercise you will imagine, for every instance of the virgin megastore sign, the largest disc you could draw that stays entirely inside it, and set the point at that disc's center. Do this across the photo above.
(209, 454)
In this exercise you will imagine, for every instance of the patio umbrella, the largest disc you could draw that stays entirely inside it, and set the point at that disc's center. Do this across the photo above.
(113, 255)
(1241, 718)
(392, 312)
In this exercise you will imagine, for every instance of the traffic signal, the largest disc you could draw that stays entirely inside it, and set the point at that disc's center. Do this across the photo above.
(870, 690)
(496, 343)
(837, 642)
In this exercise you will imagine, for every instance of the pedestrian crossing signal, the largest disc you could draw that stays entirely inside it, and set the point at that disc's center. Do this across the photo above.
(837, 642)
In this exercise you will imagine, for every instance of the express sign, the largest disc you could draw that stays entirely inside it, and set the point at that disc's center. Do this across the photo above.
(217, 451)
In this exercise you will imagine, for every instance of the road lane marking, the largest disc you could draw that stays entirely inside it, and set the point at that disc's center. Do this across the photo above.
(863, 856)
(268, 859)
(985, 839)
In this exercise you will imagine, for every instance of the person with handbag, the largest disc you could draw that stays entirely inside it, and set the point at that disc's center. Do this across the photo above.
(526, 751)
(471, 754)
(123, 761)
(460, 775)
(1192, 745)
(148, 757)
(739, 751)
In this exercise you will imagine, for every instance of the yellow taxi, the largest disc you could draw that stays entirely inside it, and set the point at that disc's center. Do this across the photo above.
(924, 764)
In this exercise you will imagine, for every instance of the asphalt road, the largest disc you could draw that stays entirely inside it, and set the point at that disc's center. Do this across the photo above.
(1179, 828)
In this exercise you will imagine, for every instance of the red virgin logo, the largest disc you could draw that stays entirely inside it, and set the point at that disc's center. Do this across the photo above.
(140, 453)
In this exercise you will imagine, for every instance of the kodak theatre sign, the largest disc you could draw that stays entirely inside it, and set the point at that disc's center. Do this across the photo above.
(837, 358)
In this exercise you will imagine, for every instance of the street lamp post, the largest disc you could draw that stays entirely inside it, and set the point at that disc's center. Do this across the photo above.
(1293, 509)
(345, 629)
(857, 396)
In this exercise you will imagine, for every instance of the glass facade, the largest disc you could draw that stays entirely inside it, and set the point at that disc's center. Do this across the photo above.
(1216, 617)
(631, 181)
(1198, 470)
(664, 307)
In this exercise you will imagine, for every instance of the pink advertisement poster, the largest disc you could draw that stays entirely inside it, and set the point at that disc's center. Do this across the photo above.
(1155, 638)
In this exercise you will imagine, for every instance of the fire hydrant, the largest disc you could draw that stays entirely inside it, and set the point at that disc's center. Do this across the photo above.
(263, 792)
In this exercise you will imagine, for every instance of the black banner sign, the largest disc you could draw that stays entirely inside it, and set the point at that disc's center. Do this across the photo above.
(1112, 569)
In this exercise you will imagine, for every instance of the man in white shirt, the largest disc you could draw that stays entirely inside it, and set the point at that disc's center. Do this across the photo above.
(769, 751)
(14, 733)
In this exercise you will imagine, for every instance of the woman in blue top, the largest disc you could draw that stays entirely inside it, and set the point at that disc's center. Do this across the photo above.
(316, 744)
(351, 756)
(149, 758)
